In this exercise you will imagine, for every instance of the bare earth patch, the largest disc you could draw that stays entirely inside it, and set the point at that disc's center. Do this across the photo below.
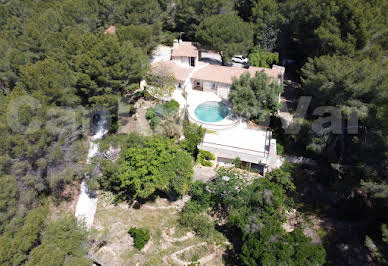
(112, 223)
(69, 198)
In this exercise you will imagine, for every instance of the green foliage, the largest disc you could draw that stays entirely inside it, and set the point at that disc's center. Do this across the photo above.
(19, 239)
(314, 28)
(266, 20)
(237, 162)
(171, 106)
(263, 58)
(226, 34)
(193, 137)
(142, 36)
(282, 176)
(199, 194)
(255, 97)
(193, 217)
(8, 199)
(166, 111)
(147, 165)
(150, 113)
(140, 236)
(279, 148)
(204, 158)
(267, 247)
(256, 208)
(63, 240)
(190, 13)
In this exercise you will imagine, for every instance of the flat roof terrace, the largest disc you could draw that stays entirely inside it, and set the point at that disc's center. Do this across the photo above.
(250, 145)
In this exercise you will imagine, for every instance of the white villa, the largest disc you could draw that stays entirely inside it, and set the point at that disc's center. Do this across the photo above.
(199, 83)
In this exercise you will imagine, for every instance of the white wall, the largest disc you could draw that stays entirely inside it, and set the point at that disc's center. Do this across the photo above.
(184, 60)
(223, 90)
(220, 89)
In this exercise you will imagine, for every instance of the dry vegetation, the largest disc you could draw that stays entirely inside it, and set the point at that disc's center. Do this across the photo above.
(169, 244)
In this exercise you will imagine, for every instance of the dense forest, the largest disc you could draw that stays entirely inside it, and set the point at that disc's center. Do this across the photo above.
(58, 69)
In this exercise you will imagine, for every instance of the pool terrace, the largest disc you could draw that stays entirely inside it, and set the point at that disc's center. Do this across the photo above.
(195, 98)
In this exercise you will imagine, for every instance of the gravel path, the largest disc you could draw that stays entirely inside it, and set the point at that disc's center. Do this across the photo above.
(87, 200)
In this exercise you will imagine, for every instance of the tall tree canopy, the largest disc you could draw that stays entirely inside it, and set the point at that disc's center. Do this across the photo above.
(255, 97)
(147, 165)
(226, 34)
(190, 13)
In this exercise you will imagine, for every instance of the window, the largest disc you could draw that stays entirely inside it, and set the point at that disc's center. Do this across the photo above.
(179, 85)
(198, 83)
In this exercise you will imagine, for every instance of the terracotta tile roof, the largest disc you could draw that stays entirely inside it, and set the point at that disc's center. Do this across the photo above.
(110, 30)
(185, 49)
(225, 74)
(181, 73)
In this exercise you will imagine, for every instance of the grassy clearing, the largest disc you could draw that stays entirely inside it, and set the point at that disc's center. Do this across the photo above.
(113, 222)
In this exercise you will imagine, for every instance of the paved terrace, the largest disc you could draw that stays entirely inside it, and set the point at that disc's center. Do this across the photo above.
(250, 145)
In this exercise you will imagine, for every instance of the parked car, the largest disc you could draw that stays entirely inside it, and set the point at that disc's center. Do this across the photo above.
(240, 59)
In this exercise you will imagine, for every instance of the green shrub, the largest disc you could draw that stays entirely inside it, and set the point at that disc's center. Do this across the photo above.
(155, 121)
(237, 162)
(204, 158)
(140, 237)
(279, 148)
(150, 113)
(263, 58)
(192, 217)
(199, 194)
(171, 106)
(193, 137)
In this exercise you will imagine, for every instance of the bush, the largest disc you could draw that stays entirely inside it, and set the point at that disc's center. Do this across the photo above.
(150, 113)
(279, 148)
(237, 162)
(155, 121)
(204, 158)
(263, 58)
(171, 106)
(199, 194)
(140, 237)
(193, 134)
(192, 217)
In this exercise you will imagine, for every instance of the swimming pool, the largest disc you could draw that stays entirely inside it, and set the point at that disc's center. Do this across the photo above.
(211, 111)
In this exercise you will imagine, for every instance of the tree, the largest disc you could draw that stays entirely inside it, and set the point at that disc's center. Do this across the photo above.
(379, 250)
(8, 199)
(19, 239)
(226, 34)
(266, 20)
(263, 58)
(255, 211)
(190, 13)
(255, 97)
(155, 164)
(193, 137)
(161, 81)
(313, 28)
(142, 36)
(64, 242)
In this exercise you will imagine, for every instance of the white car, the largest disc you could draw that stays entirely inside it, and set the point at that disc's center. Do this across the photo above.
(240, 59)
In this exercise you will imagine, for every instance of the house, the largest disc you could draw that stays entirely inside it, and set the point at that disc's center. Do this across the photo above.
(199, 85)
(218, 79)
(185, 53)
(194, 74)
(179, 71)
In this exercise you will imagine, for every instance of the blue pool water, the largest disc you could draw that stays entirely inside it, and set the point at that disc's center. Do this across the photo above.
(211, 111)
